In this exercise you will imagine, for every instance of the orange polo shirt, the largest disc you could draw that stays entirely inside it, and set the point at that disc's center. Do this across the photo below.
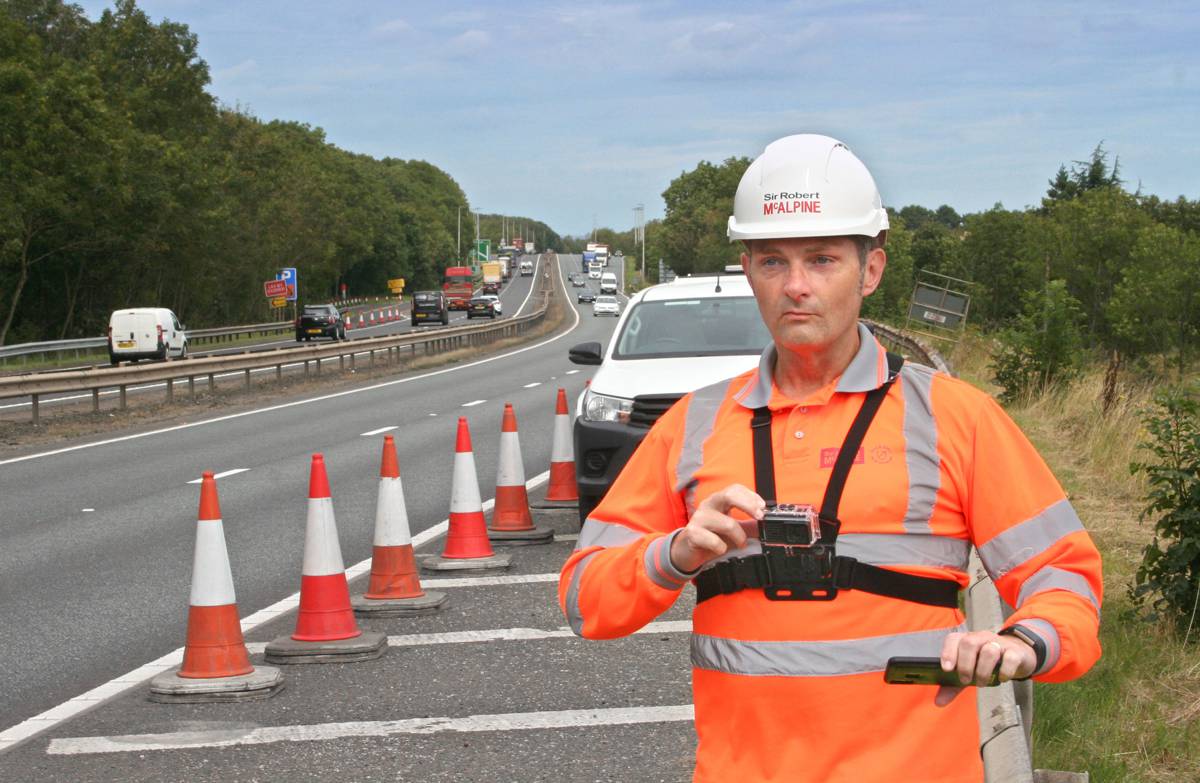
(793, 690)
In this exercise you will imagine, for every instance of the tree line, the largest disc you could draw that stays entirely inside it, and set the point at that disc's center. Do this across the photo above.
(1093, 270)
(124, 183)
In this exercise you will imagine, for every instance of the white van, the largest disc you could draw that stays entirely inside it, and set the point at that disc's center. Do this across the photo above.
(145, 333)
(608, 283)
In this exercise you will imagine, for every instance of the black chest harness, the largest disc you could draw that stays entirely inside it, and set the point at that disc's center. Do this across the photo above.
(814, 571)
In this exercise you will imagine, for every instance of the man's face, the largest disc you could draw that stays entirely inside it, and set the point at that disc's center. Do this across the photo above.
(810, 290)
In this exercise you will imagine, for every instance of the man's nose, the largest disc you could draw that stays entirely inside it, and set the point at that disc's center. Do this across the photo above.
(798, 284)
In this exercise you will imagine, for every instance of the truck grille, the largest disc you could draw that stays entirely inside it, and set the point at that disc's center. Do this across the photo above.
(648, 407)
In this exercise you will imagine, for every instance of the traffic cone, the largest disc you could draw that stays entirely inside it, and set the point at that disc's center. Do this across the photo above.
(395, 590)
(372, 321)
(325, 627)
(361, 322)
(511, 521)
(467, 546)
(349, 322)
(563, 490)
(216, 665)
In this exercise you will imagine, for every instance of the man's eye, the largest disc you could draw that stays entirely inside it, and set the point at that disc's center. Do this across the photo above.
(771, 261)
(821, 260)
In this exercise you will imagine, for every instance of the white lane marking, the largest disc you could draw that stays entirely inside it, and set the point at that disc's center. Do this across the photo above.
(433, 414)
(512, 721)
(31, 727)
(571, 372)
(473, 403)
(566, 536)
(222, 475)
(379, 431)
(501, 635)
(531, 385)
(320, 398)
(489, 581)
(87, 510)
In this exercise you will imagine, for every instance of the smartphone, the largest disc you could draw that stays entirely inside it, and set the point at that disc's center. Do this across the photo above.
(925, 671)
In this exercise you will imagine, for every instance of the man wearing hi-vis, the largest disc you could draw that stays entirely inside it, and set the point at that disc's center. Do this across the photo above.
(824, 505)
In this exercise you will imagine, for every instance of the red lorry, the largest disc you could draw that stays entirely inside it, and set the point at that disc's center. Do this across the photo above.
(459, 285)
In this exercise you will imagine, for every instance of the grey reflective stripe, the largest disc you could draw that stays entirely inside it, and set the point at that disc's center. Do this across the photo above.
(605, 534)
(905, 549)
(574, 616)
(1051, 578)
(1049, 635)
(920, 448)
(657, 562)
(701, 417)
(883, 550)
(1029, 539)
(813, 659)
(862, 374)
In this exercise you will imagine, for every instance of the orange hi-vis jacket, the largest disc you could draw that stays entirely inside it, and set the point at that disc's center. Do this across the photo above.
(794, 690)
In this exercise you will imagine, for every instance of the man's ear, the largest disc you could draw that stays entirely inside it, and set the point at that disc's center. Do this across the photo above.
(873, 272)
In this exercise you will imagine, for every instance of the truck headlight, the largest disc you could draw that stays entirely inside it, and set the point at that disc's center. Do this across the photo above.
(601, 407)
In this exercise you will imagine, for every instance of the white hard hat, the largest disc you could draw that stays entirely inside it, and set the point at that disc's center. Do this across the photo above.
(806, 186)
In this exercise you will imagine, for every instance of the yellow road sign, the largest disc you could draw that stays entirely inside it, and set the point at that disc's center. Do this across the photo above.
(279, 301)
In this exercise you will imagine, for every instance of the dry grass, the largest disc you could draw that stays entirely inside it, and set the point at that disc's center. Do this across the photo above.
(1136, 715)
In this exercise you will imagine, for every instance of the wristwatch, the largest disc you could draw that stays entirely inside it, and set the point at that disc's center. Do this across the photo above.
(1030, 638)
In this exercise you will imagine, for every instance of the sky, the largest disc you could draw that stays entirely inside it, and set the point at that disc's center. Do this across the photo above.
(574, 113)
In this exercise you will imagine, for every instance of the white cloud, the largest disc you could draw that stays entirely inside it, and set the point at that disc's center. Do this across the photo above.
(394, 28)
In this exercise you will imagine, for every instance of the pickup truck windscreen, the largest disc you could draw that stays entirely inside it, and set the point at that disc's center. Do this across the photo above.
(693, 327)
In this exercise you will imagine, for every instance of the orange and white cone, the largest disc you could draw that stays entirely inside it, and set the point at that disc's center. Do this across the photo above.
(361, 321)
(372, 321)
(512, 523)
(395, 589)
(325, 628)
(216, 665)
(562, 489)
(467, 546)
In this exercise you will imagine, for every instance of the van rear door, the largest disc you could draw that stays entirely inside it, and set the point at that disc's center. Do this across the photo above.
(135, 332)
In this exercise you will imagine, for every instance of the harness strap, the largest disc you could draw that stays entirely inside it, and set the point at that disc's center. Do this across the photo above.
(742, 573)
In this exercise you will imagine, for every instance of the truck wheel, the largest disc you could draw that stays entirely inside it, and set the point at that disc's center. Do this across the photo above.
(112, 359)
(299, 337)
(183, 351)
(446, 319)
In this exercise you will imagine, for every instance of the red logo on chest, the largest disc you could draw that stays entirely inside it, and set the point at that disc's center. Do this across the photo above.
(829, 457)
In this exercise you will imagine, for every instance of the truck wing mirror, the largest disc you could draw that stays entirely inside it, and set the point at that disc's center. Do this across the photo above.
(586, 353)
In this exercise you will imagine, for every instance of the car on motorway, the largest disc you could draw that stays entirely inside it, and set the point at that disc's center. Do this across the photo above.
(429, 307)
(578, 280)
(481, 307)
(606, 305)
(586, 295)
(608, 283)
(145, 333)
(672, 338)
(322, 320)
(497, 305)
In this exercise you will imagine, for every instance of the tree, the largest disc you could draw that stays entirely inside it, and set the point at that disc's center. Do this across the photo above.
(698, 204)
(1156, 306)
(1042, 348)
(1083, 176)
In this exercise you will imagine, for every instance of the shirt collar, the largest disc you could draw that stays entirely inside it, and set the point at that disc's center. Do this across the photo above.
(866, 371)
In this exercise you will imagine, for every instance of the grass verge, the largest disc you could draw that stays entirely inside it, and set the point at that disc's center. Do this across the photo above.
(1136, 715)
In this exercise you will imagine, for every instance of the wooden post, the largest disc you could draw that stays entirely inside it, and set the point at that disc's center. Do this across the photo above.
(34, 408)
(192, 386)
(122, 396)
(170, 390)
(247, 377)
(96, 400)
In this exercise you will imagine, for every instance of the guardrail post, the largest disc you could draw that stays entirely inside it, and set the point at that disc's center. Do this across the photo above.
(212, 383)
(318, 363)
(34, 408)
(122, 397)
(279, 372)
(306, 368)
(170, 390)
(96, 399)
(341, 362)
(351, 362)
(192, 386)
(372, 354)
(247, 378)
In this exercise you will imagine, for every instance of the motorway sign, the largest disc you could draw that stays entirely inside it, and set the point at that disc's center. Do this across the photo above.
(396, 286)
(279, 301)
(275, 288)
(483, 249)
(288, 275)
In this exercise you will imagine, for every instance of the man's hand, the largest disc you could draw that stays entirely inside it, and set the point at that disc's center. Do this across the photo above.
(711, 532)
(974, 656)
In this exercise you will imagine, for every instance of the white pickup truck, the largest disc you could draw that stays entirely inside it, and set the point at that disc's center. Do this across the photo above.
(526, 268)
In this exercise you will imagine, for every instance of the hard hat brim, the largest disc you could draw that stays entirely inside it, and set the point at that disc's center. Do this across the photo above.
(756, 230)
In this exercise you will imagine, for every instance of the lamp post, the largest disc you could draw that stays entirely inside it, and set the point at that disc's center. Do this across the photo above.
(639, 234)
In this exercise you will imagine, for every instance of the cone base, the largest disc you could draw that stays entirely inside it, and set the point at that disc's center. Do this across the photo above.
(398, 607)
(364, 647)
(548, 503)
(532, 536)
(439, 563)
(262, 682)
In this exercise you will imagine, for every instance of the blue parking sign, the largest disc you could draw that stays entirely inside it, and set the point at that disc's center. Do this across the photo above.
(288, 274)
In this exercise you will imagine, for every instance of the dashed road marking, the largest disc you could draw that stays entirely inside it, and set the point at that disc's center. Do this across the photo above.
(473, 403)
(379, 431)
(531, 385)
(222, 474)
(512, 721)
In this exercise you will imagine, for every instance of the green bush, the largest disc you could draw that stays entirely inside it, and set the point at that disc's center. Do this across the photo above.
(1043, 347)
(1167, 585)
